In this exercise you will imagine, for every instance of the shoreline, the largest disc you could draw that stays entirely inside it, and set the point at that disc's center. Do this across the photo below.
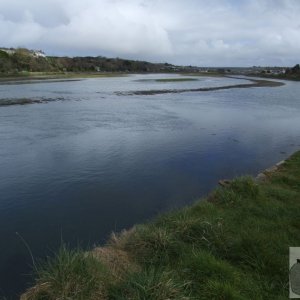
(222, 244)
(25, 101)
(40, 76)
(255, 83)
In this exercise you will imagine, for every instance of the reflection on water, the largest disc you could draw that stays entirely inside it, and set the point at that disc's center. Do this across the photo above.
(95, 162)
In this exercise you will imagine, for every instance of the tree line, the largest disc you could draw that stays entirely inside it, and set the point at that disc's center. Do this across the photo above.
(23, 60)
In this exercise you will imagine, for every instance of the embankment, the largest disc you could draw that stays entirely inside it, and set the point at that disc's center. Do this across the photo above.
(232, 245)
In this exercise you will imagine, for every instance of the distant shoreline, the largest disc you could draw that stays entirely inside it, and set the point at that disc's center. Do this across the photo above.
(24, 101)
(40, 76)
(255, 83)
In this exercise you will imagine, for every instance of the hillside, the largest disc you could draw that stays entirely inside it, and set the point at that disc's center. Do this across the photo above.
(293, 73)
(20, 60)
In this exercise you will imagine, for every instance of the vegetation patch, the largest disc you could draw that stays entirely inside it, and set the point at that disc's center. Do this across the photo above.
(233, 245)
(289, 74)
(175, 79)
(70, 274)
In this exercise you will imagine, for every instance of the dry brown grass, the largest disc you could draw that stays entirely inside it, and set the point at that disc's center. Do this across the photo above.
(116, 261)
(37, 289)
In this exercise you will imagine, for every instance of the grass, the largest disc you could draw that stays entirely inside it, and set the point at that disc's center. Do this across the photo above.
(233, 245)
(205, 74)
(70, 274)
(293, 77)
(24, 76)
(175, 79)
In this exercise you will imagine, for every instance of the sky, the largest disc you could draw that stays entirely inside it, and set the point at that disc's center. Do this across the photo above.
(184, 32)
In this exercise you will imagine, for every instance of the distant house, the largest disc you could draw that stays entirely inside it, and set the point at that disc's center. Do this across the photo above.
(34, 53)
(9, 51)
(38, 53)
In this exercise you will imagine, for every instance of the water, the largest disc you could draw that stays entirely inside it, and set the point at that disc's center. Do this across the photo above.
(94, 161)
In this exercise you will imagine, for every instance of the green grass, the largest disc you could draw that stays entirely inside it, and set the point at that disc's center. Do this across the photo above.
(56, 75)
(70, 274)
(151, 283)
(293, 77)
(175, 79)
(233, 245)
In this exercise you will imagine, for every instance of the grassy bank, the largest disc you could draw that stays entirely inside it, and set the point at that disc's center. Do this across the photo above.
(232, 245)
(295, 77)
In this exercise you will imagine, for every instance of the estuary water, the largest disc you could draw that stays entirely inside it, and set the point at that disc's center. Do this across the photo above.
(89, 160)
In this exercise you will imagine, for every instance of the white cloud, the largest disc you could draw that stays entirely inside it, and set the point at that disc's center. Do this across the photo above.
(216, 32)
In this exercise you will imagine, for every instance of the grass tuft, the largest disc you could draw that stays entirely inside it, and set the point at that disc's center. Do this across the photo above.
(70, 274)
(152, 283)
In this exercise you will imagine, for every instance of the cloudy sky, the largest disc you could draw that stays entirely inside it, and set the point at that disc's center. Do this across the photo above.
(196, 32)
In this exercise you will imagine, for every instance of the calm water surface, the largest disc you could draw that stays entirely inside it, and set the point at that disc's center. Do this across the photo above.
(89, 161)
